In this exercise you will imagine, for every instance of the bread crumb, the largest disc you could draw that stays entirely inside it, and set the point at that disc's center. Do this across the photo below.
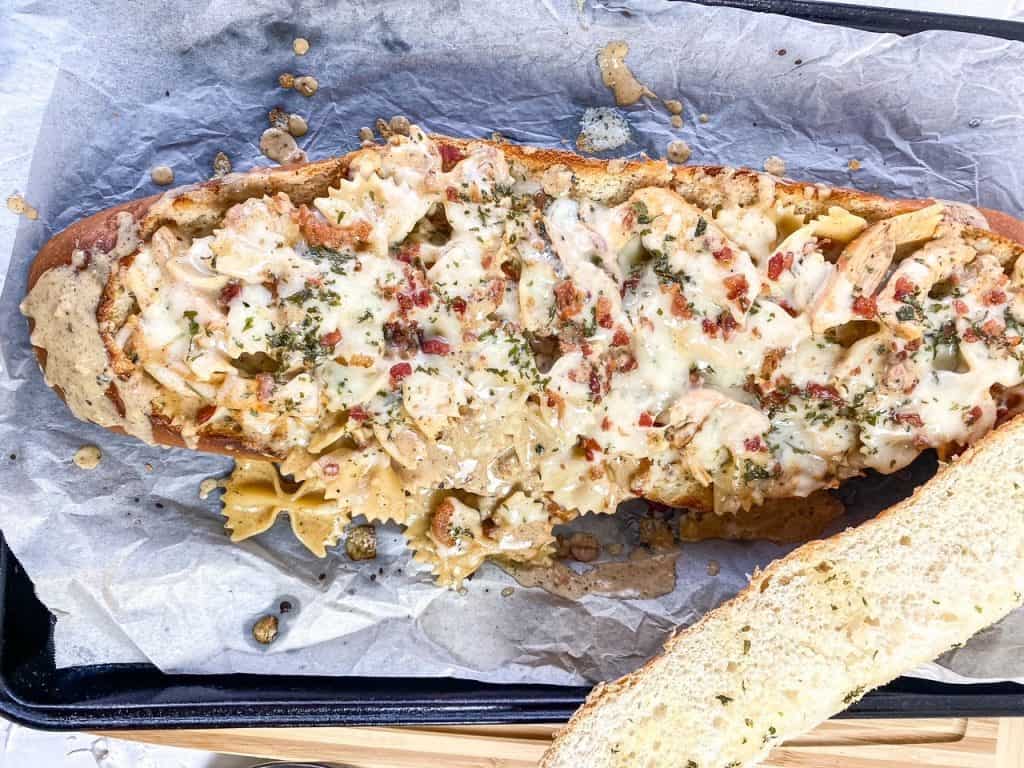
(674, 106)
(277, 118)
(286, 80)
(704, 118)
(361, 543)
(280, 147)
(775, 165)
(88, 457)
(17, 204)
(148, 466)
(677, 121)
(400, 125)
(678, 151)
(853, 165)
(307, 85)
(208, 486)
(714, 568)
(301, 46)
(221, 165)
(584, 548)
(297, 125)
(264, 631)
(602, 129)
(162, 175)
(507, 592)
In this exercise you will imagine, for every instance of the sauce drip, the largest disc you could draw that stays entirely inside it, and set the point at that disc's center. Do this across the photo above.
(616, 74)
(643, 576)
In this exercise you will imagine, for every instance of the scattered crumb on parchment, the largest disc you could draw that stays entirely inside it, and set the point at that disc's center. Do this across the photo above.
(221, 165)
(775, 165)
(162, 175)
(678, 151)
(301, 46)
(19, 205)
(602, 129)
(88, 457)
(853, 165)
(280, 146)
(208, 486)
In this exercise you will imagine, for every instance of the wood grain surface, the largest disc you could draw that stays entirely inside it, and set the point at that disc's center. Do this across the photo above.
(932, 743)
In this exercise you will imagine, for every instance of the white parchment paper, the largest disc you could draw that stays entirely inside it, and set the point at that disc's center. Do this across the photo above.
(136, 567)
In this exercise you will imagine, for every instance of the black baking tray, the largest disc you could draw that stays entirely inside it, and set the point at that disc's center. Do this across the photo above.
(125, 696)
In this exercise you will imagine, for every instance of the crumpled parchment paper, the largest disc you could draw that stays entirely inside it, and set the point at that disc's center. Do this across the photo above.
(135, 566)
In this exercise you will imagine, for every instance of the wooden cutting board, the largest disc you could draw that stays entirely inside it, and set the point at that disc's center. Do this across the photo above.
(950, 743)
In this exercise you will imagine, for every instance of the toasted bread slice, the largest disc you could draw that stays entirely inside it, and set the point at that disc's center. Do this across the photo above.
(819, 628)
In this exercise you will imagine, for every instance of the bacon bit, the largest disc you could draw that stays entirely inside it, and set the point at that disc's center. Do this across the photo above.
(736, 286)
(229, 292)
(595, 384)
(645, 420)
(360, 361)
(586, 349)
(405, 302)
(993, 327)
(865, 306)
(459, 305)
(904, 288)
(626, 363)
(555, 400)
(603, 312)
(775, 266)
(568, 299)
(912, 419)
(330, 469)
(271, 285)
(436, 347)
(709, 327)
(959, 306)
(971, 335)
(408, 253)
(824, 392)
(994, 297)
(264, 386)
(771, 361)
(620, 338)
(511, 269)
(606, 423)
(330, 339)
(449, 156)
(680, 306)
(358, 414)
(754, 444)
(452, 194)
(629, 218)
(591, 448)
(972, 416)
(788, 308)
(487, 260)
(421, 298)
(629, 284)
(727, 323)
(398, 372)
(441, 523)
(318, 231)
(723, 255)
(205, 413)
(496, 290)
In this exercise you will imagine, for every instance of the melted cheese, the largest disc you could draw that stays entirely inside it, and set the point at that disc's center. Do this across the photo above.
(420, 328)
